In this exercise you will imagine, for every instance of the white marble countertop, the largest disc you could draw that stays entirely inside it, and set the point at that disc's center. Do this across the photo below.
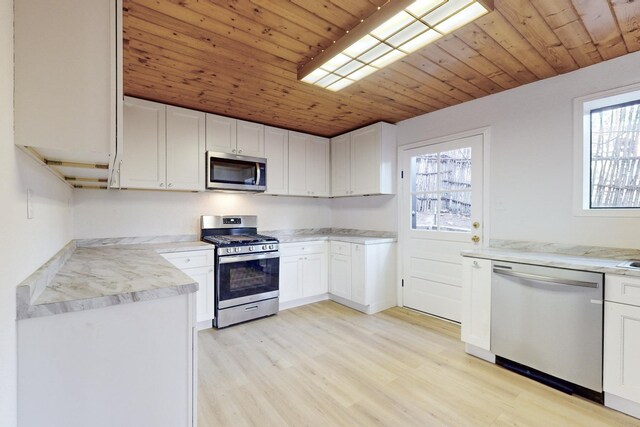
(94, 273)
(362, 237)
(599, 264)
(362, 240)
(100, 276)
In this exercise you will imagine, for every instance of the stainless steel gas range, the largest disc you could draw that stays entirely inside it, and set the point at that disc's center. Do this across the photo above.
(247, 269)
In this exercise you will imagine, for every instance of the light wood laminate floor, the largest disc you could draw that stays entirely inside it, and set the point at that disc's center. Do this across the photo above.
(327, 365)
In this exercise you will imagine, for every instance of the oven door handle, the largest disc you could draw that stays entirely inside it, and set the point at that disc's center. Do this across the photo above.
(248, 257)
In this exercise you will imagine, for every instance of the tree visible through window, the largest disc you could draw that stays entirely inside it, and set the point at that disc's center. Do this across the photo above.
(615, 156)
(441, 191)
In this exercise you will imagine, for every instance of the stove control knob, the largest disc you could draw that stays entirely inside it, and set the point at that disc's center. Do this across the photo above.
(264, 247)
(237, 249)
(229, 250)
(250, 248)
(270, 246)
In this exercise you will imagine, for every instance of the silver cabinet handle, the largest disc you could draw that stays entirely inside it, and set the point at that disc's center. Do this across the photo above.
(187, 260)
(239, 151)
(233, 151)
(547, 279)
(162, 184)
(170, 185)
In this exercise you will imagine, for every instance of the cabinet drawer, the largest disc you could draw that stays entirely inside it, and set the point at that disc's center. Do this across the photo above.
(302, 248)
(341, 248)
(622, 289)
(191, 259)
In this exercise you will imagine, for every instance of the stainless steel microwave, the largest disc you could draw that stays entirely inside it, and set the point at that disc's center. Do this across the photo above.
(236, 173)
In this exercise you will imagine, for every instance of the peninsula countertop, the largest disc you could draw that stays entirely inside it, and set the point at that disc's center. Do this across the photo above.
(82, 278)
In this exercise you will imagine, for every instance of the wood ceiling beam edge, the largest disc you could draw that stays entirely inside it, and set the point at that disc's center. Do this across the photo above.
(627, 14)
(378, 17)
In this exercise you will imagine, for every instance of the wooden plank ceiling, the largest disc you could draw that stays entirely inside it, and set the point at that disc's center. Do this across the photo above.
(239, 57)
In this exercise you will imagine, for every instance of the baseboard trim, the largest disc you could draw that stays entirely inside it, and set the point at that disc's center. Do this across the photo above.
(621, 404)
(480, 353)
(303, 301)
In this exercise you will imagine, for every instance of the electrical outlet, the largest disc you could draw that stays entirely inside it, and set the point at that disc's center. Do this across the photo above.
(29, 203)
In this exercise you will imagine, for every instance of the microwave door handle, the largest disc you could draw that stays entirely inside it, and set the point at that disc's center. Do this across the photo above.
(257, 174)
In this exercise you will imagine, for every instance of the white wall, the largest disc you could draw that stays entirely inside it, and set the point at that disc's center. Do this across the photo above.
(127, 213)
(23, 247)
(531, 170)
(367, 213)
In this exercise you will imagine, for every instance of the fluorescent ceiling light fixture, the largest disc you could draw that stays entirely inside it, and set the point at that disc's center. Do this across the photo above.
(395, 30)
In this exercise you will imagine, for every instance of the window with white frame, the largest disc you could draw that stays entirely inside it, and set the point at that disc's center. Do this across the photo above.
(608, 148)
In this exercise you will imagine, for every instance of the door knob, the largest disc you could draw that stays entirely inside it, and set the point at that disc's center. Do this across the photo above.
(475, 239)
(476, 224)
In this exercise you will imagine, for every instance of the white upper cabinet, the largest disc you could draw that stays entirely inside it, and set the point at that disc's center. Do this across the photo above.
(371, 161)
(298, 163)
(276, 151)
(221, 134)
(185, 149)
(144, 148)
(68, 83)
(163, 147)
(308, 165)
(318, 165)
(340, 165)
(232, 136)
(250, 139)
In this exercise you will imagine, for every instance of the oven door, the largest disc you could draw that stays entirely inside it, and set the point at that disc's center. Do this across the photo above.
(232, 172)
(242, 279)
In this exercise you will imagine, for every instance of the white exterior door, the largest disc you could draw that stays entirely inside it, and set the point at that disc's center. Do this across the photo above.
(441, 215)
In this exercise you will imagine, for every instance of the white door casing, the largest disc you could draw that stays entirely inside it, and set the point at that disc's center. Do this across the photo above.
(436, 222)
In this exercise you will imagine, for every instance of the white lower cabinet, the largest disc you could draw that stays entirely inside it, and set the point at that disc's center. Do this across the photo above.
(199, 266)
(303, 273)
(476, 302)
(363, 276)
(622, 344)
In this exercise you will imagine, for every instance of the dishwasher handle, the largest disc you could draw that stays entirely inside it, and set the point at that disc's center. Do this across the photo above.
(547, 279)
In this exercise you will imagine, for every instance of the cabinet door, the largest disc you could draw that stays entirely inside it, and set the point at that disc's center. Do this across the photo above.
(318, 180)
(358, 274)
(185, 149)
(250, 139)
(298, 163)
(290, 272)
(65, 85)
(476, 302)
(341, 165)
(314, 277)
(341, 275)
(221, 134)
(276, 150)
(144, 146)
(205, 295)
(622, 350)
(365, 160)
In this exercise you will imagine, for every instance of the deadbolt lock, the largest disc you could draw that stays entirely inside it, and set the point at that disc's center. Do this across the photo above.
(476, 224)
(475, 239)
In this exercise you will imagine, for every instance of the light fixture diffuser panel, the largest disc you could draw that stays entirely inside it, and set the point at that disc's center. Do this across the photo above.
(420, 23)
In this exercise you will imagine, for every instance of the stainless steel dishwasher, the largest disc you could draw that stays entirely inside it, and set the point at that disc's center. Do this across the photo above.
(549, 319)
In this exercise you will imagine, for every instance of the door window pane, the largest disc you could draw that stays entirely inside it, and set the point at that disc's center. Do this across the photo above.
(441, 191)
(455, 169)
(455, 211)
(424, 211)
